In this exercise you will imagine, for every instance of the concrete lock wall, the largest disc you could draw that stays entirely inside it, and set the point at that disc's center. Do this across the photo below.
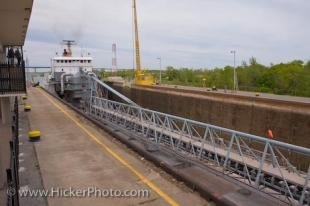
(289, 123)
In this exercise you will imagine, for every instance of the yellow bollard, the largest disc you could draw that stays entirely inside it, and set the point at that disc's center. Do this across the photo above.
(27, 107)
(34, 135)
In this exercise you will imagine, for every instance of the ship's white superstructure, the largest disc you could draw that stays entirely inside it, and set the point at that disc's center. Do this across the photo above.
(66, 72)
(69, 64)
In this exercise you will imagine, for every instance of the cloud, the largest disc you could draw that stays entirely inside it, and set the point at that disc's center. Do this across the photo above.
(198, 33)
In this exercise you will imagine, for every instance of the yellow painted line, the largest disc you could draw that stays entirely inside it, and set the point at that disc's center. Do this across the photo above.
(143, 178)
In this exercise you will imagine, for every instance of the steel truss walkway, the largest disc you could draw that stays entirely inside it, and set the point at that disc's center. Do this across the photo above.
(256, 161)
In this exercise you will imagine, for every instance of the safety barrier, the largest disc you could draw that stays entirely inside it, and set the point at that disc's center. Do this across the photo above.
(12, 79)
(254, 160)
(12, 172)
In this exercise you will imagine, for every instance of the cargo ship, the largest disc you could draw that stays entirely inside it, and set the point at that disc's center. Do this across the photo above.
(66, 77)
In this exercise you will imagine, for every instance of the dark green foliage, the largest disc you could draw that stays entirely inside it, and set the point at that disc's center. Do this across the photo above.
(291, 78)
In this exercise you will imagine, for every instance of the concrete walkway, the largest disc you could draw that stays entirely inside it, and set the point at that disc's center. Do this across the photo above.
(29, 169)
(75, 153)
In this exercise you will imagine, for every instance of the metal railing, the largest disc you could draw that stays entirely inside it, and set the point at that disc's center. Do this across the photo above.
(12, 79)
(256, 161)
(12, 172)
(95, 87)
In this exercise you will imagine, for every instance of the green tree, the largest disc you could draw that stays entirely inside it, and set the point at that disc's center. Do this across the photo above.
(307, 66)
(291, 78)
(252, 61)
(171, 73)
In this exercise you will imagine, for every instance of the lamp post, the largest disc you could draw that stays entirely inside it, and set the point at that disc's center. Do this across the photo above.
(159, 59)
(235, 75)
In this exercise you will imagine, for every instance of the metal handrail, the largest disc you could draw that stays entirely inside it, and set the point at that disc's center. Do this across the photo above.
(98, 83)
(262, 164)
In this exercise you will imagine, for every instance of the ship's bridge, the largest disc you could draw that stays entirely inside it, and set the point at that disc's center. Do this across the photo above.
(71, 65)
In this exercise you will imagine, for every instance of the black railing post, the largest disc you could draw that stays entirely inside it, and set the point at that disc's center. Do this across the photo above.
(10, 190)
(14, 186)
(16, 138)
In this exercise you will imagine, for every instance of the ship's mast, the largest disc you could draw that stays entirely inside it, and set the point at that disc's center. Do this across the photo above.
(68, 43)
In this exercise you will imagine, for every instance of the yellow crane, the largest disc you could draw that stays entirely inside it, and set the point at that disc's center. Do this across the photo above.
(141, 78)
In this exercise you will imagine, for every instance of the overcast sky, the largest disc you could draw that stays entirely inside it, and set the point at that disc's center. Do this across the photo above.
(184, 33)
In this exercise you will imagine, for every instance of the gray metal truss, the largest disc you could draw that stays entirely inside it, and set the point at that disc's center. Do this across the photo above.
(259, 162)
